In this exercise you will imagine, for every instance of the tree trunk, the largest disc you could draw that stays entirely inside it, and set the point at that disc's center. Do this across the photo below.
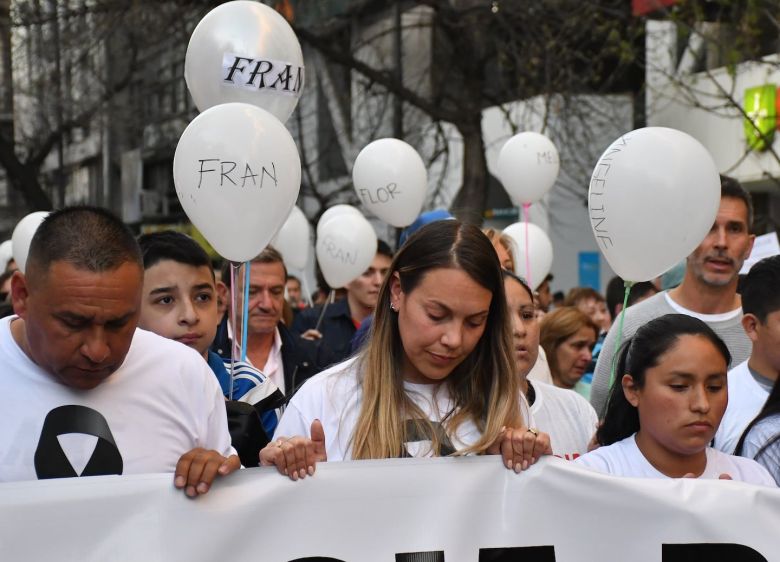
(469, 204)
(23, 178)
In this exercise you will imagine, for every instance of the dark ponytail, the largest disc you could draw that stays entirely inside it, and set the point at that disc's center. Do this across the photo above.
(640, 353)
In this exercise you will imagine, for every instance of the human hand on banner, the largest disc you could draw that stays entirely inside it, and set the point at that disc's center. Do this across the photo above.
(197, 469)
(296, 456)
(724, 476)
(521, 447)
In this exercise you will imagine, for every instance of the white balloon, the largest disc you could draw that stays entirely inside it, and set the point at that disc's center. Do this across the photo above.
(6, 253)
(237, 175)
(335, 211)
(391, 180)
(528, 166)
(292, 241)
(23, 235)
(653, 197)
(540, 252)
(245, 52)
(346, 246)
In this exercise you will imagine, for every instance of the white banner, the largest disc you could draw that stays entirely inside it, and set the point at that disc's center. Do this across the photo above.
(454, 510)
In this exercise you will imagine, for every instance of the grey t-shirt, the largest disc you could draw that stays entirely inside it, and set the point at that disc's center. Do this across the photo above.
(763, 445)
(730, 331)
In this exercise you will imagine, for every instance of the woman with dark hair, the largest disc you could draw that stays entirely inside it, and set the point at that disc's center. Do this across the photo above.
(761, 440)
(565, 416)
(666, 406)
(436, 376)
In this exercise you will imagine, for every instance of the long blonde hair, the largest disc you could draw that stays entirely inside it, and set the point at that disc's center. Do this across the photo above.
(483, 387)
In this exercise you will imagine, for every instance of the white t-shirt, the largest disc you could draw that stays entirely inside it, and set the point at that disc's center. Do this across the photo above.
(625, 459)
(162, 402)
(566, 416)
(334, 397)
(746, 398)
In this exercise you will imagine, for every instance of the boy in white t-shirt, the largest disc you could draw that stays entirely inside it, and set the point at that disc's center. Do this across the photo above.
(750, 382)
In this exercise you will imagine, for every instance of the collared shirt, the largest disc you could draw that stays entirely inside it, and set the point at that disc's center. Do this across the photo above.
(274, 368)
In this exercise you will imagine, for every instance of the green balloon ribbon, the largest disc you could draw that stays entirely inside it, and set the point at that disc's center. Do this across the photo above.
(627, 285)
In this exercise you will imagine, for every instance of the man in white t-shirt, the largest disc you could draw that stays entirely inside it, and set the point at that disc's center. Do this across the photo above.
(750, 382)
(83, 391)
(708, 290)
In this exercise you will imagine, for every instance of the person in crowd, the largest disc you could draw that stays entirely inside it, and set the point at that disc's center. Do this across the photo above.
(708, 290)
(295, 293)
(761, 440)
(282, 356)
(335, 327)
(77, 368)
(667, 405)
(565, 416)
(544, 296)
(590, 301)
(567, 337)
(180, 303)
(616, 295)
(557, 299)
(436, 377)
(506, 251)
(751, 381)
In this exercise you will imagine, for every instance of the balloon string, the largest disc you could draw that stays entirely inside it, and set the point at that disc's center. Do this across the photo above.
(234, 349)
(526, 206)
(245, 312)
(627, 285)
(329, 300)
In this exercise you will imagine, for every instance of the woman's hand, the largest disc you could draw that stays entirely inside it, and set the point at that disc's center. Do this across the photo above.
(296, 456)
(520, 448)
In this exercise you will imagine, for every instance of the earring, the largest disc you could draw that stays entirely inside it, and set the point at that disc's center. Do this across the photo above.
(393, 307)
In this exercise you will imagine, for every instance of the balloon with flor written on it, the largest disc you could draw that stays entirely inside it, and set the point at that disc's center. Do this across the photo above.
(528, 166)
(539, 253)
(246, 52)
(23, 235)
(346, 246)
(391, 180)
(653, 196)
(237, 175)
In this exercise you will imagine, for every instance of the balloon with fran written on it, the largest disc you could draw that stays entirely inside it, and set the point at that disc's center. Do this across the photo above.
(528, 166)
(335, 211)
(246, 52)
(391, 180)
(653, 197)
(237, 174)
(346, 246)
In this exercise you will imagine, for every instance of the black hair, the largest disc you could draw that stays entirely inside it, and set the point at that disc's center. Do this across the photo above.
(293, 278)
(761, 288)
(614, 295)
(730, 187)
(771, 408)
(640, 353)
(383, 248)
(173, 246)
(639, 290)
(88, 238)
(509, 275)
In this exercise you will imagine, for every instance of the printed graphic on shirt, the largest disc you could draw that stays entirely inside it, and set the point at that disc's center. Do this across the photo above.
(51, 460)
(419, 441)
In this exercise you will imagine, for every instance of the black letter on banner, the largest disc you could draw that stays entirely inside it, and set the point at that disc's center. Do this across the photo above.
(232, 71)
(50, 460)
(317, 559)
(708, 552)
(432, 556)
(518, 553)
(262, 73)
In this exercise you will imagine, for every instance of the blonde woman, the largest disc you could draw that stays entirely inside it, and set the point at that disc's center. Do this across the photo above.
(436, 376)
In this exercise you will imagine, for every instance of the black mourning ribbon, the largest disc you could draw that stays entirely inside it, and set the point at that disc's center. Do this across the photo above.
(50, 459)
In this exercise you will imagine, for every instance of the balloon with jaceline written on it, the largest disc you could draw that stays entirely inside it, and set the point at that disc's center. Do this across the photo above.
(653, 197)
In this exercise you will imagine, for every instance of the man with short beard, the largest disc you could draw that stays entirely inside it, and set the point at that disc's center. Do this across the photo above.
(708, 290)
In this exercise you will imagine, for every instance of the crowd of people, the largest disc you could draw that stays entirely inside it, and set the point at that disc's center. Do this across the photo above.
(437, 349)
